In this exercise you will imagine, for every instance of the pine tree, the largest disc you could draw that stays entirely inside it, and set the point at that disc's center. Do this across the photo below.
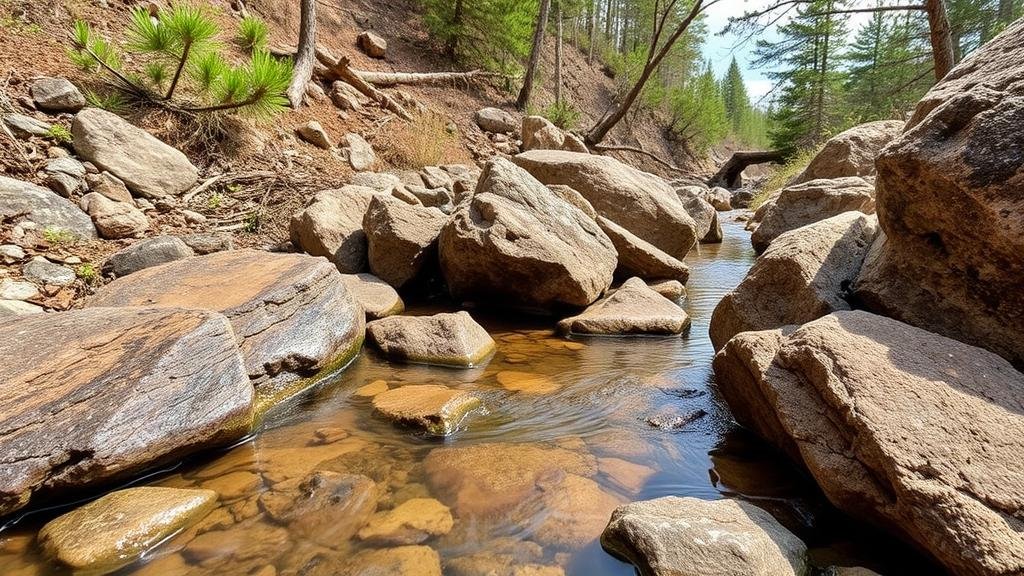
(734, 93)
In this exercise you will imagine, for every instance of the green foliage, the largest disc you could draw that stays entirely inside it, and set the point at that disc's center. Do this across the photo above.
(58, 237)
(88, 273)
(59, 134)
(109, 101)
(698, 111)
(494, 34)
(253, 222)
(563, 115)
(781, 175)
(177, 64)
(252, 33)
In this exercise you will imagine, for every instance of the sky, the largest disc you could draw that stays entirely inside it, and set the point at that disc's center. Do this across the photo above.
(720, 49)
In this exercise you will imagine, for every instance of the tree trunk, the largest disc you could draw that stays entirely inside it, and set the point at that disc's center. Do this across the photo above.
(593, 32)
(538, 45)
(305, 56)
(380, 79)
(558, 52)
(940, 37)
(728, 175)
(452, 46)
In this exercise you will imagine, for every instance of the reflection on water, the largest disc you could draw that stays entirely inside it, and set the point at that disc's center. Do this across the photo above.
(566, 434)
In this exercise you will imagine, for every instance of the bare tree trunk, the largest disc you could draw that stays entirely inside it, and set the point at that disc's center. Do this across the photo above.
(538, 45)
(558, 52)
(380, 79)
(593, 31)
(305, 57)
(940, 37)
(452, 46)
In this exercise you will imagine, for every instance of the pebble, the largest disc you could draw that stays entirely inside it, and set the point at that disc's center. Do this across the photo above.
(11, 253)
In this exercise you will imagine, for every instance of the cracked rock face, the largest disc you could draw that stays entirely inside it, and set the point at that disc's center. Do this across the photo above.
(291, 313)
(901, 427)
(113, 392)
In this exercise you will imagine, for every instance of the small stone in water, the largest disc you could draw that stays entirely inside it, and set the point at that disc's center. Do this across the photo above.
(669, 422)
(527, 382)
(372, 389)
(330, 434)
(411, 522)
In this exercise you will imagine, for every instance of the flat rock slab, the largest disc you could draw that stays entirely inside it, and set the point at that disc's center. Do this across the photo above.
(638, 257)
(411, 522)
(632, 309)
(25, 201)
(69, 420)
(376, 296)
(672, 536)
(901, 427)
(149, 167)
(118, 528)
(447, 339)
(291, 313)
(434, 409)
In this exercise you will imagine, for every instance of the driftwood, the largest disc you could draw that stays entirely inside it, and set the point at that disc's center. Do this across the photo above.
(728, 175)
(636, 150)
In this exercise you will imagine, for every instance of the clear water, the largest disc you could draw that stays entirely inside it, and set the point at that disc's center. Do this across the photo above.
(604, 395)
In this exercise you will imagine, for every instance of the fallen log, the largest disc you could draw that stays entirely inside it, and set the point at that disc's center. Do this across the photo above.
(728, 175)
(396, 78)
(340, 70)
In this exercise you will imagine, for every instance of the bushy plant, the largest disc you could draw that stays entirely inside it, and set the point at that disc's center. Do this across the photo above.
(180, 66)
(426, 141)
(782, 174)
(59, 134)
(563, 115)
(252, 33)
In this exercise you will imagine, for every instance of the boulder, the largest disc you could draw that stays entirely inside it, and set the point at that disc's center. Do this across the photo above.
(147, 253)
(719, 198)
(10, 308)
(380, 181)
(331, 225)
(573, 197)
(671, 289)
(346, 97)
(440, 198)
(805, 274)
(110, 186)
(903, 428)
(114, 220)
(360, 154)
(315, 134)
(851, 153)
(442, 339)
(640, 258)
(70, 423)
(373, 44)
(633, 308)
(640, 202)
(810, 202)
(401, 238)
(148, 167)
(291, 313)
(741, 198)
(673, 536)
(118, 528)
(56, 95)
(411, 522)
(430, 408)
(708, 226)
(518, 243)
(540, 134)
(376, 296)
(950, 204)
(495, 120)
(24, 201)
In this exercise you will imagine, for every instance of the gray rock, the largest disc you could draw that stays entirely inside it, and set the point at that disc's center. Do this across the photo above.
(315, 134)
(149, 252)
(25, 126)
(56, 95)
(11, 253)
(42, 271)
(360, 153)
(209, 243)
(149, 167)
(22, 200)
(17, 290)
(66, 165)
(379, 181)
(495, 120)
(18, 308)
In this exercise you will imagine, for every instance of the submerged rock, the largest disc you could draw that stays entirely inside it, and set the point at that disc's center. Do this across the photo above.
(813, 201)
(805, 274)
(672, 536)
(71, 422)
(291, 313)
(376, 296)
(634, 308)
(517, 243)
(148, 167)
(400, 561)
(118, 528)
(442, 339)
(437, 410)
(325, 507)
(411, 522)
(526, 382)
(904, 428)
(851, 153)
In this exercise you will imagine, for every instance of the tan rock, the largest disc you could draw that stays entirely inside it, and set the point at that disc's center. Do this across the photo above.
(400, 561)
(411, 522)
(810, 202)
(901, 427)
(640, 258)
(114, 220)
(851, 153)
(576, 511)
(372, 389)
(632, 309)
(437, 410)
(629, 476)
(373, 44)
(377, 297)
(325, 507)
(331, 225)
(671, 289)
(70, 421)
(573, 197)
(118, 528)
(708, 226)
(442, 339)
(402, 238)
(234, 486)
(540, 134)
(526, 382)
(315, 134)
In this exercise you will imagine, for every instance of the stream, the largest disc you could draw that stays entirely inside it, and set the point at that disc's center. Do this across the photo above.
(570, 428)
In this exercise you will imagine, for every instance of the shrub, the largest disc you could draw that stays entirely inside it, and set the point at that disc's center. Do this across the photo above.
(88, 273)
(782, 174)
(58, 236)
(426, 141)
(252, 34)
(59, 134)
(563, 115)
(179, 66)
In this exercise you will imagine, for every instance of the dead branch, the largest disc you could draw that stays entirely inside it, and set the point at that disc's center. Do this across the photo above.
(634, 149)
(200, 188)
(396, 78)
(729, 174)
(341, 71)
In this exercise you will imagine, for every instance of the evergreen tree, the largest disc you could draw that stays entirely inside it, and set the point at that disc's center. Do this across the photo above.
(734, 93)
(493, 33)
(698, 111)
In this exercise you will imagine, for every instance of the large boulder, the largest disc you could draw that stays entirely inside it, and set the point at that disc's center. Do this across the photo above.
(805, 274)
(442, 339)
(401, 238)
(950, 203)
(901, 427)
(518, 243)
(25, 201)
(673, 536)
(147, 166)
(632, 309)
(95, 395)
(291, 313)
(496, 120)
(639, 202)
(640, 258)
(331, 225)
(851, 153)
(708, 226)
(540, 134)
(806, 203)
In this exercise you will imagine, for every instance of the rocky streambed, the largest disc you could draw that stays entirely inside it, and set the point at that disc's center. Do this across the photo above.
(564, 431)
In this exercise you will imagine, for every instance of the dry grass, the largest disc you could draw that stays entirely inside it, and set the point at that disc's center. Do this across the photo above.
(781, 175)
(426, 141)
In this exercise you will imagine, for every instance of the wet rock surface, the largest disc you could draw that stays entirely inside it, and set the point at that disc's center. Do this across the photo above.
(443, 339)
(634, 308)
(436, 410)
(376, 296)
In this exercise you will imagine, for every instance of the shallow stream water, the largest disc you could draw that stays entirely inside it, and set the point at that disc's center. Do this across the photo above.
(570, 429)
